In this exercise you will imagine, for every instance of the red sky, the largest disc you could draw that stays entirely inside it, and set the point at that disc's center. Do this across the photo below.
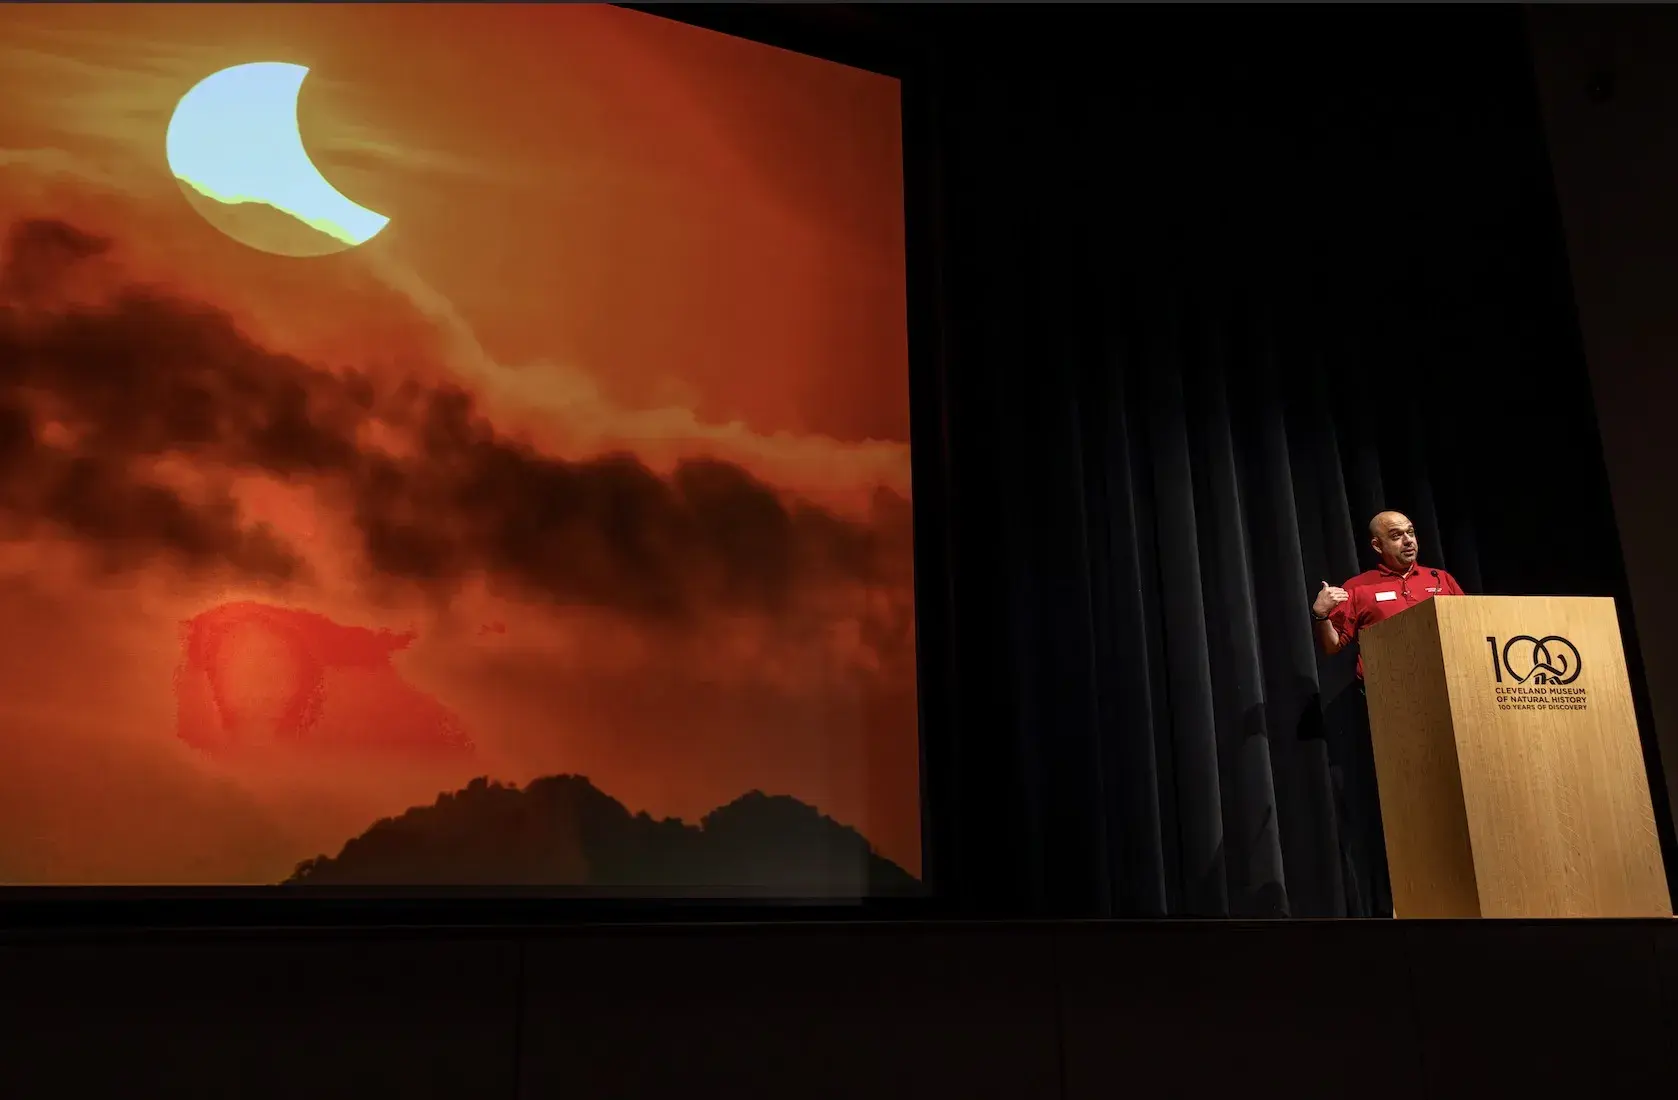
(609, 233)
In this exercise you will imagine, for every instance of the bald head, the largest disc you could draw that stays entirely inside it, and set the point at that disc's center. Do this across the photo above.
(1386, 521)
(1394, 538)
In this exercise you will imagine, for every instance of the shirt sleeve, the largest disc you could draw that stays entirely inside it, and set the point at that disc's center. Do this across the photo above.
(1452, 588)
(1344, 618)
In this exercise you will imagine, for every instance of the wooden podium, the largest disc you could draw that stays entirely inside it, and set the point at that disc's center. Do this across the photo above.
(1511, 776)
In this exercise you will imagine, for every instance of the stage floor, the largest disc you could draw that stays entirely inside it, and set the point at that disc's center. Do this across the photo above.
(875, 1010)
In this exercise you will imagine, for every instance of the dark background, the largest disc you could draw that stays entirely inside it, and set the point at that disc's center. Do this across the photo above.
(1195, 291)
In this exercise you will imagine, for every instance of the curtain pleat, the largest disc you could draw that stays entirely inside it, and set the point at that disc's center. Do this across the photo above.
(1200, 817)
(1132, 704)
(1278, 536)
(1253, 850)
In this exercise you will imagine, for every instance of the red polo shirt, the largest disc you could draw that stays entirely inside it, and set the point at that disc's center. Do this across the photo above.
(1381, 593)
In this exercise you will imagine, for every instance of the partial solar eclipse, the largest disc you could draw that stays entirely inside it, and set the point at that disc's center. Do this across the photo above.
(236, 150)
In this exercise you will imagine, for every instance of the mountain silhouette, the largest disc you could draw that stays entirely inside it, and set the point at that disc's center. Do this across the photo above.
(563, 831)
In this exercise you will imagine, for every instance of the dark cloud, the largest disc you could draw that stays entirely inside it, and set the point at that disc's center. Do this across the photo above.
(40, 252)
(92, 394)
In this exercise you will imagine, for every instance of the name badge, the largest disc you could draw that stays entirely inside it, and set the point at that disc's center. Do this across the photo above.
(1383, 597)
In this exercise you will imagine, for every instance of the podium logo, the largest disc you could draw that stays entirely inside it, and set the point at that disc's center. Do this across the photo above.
(1551, 660)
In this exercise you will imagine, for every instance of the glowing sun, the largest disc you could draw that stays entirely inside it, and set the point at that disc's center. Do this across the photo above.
(236, 149)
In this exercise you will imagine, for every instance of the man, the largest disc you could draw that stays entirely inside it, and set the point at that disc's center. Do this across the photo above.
(1396, 584)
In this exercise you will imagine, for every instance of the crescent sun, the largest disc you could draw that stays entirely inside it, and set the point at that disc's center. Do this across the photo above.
(235, 148)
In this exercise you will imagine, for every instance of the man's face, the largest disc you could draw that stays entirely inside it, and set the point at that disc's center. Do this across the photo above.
(1394, 538)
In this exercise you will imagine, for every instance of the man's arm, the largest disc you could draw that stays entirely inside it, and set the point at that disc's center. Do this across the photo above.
(1331, 605)
(1329, 639)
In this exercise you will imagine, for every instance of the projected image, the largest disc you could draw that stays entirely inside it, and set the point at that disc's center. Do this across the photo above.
(450, 446)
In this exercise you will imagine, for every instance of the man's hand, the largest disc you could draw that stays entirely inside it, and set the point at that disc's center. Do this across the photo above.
(1327, 600)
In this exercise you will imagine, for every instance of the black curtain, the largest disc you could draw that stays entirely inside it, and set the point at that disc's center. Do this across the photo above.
(1213, 287)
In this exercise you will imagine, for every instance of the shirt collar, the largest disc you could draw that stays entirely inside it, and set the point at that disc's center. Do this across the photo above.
(1381, 568)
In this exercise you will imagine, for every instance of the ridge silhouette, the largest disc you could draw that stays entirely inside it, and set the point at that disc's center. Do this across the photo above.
(263, 226)
(563, 831)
